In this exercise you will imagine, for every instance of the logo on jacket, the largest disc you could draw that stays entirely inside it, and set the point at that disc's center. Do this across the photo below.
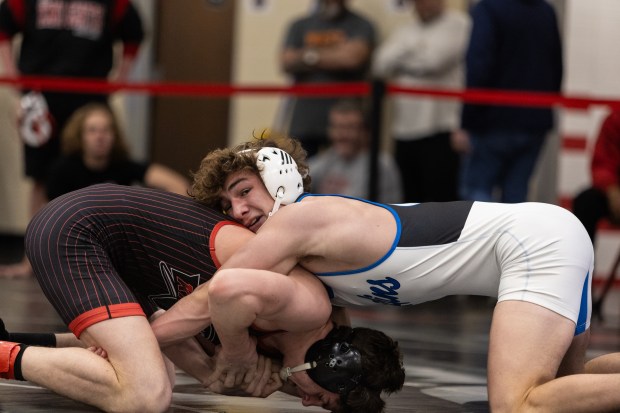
(384, 292)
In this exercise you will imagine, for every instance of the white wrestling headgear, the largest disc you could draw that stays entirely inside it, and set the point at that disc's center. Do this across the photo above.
(279, 173)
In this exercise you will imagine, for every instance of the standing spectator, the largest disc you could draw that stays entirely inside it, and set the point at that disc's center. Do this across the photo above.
(514, 45)
(602, 200)
(95, 151)
(428, 52)
(63, 38)
(333, 44)
(344, 167)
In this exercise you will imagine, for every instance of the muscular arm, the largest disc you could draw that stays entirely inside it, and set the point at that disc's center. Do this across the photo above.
(192, 314)
(188, 317)
(242, 298)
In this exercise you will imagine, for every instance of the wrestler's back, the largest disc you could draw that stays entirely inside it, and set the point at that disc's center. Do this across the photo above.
(156, 241)
(442, 249)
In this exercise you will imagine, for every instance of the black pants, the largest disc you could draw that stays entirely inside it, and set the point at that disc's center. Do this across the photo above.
(590, 206)
(429, 168)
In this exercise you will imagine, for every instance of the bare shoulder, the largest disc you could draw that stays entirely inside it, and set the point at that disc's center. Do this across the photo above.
(312, 210)
(228, 239)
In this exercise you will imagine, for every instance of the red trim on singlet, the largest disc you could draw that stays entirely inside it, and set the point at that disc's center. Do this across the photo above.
(216, 228)
(18, 8)
(96, 315)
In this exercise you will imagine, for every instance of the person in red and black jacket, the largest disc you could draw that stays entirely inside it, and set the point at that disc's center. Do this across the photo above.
(69, 39)
(602, 199)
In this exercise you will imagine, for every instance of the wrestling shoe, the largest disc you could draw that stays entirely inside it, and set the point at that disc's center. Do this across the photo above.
(8, 353)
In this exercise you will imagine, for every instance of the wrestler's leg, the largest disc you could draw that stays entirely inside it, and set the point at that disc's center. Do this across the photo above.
(526, 348)
(132, 379)
(605, 364)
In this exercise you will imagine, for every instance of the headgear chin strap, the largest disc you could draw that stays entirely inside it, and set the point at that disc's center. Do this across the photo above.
(279, 173)
(334, 365)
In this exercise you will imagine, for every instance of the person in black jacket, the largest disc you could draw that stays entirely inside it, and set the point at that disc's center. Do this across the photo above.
(502, 143)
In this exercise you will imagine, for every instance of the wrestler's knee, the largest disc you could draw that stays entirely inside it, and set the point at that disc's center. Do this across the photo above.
(153, 398)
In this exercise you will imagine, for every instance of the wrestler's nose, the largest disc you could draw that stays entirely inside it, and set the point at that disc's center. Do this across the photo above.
(240, 209)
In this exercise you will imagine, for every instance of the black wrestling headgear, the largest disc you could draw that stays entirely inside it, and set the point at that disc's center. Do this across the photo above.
(337, 364)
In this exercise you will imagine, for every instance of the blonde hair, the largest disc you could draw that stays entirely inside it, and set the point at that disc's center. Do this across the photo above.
(218, 165)
(72, 142)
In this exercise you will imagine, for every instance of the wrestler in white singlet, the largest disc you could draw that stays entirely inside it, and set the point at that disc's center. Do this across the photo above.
(534, 252)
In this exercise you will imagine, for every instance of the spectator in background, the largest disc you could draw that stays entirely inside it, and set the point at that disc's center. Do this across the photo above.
(602, 200)
(344, 168)
(62, 38)
(427, 52)
(333, 44)
(95, 151)
(514, 45)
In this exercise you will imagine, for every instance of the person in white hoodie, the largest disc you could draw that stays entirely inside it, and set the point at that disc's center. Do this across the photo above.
(427, 52)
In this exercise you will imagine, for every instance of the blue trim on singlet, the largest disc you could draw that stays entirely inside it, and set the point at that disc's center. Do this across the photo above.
(583, 308)
(387, 254)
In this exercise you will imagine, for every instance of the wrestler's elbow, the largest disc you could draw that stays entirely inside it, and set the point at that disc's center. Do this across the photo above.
(227, 285)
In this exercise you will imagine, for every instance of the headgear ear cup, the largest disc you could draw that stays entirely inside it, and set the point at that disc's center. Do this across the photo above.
(338, 365)
(279, 173)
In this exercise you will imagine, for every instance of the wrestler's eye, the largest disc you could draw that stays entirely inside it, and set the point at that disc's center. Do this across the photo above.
(226, 208)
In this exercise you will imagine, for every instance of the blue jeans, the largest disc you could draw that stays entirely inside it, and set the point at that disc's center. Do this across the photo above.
(501, 160)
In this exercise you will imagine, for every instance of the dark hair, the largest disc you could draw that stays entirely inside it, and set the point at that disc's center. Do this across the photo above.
(352, 105)
(382, 368)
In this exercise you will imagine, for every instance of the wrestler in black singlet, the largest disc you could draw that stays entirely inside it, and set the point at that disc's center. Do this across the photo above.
(110, 251)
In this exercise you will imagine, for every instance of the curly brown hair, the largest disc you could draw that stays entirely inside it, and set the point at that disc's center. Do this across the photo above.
(208, 181)
(382, 368)
(72, 142)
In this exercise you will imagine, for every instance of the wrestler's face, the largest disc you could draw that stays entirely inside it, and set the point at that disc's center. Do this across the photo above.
(246, 199)
(314, 395)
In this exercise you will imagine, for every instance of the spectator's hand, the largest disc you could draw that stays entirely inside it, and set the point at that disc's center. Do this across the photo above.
(235, 367)
(613, 198)
(460, 141)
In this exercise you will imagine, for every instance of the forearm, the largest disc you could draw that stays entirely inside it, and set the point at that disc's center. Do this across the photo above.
(190, 357)
(349, 55)
(184, 320)
(233, 310)
(162, 177)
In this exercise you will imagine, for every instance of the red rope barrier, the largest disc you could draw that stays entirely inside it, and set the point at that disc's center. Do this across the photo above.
(497, 97)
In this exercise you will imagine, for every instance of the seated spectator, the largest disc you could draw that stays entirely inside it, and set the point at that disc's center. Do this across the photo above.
(602, 199)
(344, 167)
(95, 151)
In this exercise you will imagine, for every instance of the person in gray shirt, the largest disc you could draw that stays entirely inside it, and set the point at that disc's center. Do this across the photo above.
(344, 167)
